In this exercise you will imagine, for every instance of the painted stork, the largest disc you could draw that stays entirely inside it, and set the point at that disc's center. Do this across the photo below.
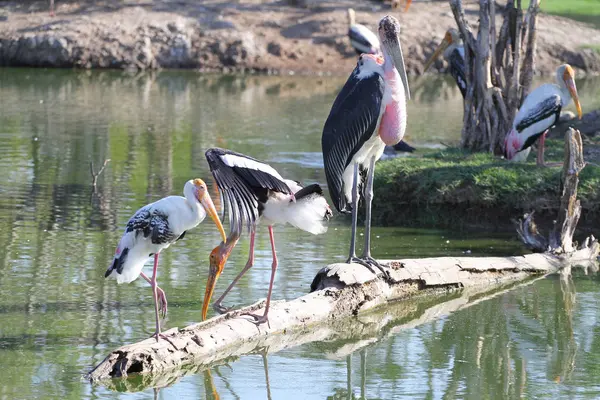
(254, 192)
(454, 52)
(361, 38)
(155, 227)
(368, 113)
(538, 113)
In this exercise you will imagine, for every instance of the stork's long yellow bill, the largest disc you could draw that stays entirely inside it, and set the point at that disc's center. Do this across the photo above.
(209, 206)
(569, 78)
(447, 41)
(218, 258)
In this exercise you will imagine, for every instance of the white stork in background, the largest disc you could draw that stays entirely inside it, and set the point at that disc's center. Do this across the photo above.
(254, 192)
(368, 113)
(155, 227)
(361, 38)
(538, 113)
(454, 52)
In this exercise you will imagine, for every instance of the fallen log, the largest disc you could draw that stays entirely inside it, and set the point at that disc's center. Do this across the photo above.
(341, 291)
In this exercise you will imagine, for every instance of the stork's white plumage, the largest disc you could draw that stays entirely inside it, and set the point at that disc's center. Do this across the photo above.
(155, 227)
(539, 112)
(254, 192)
(361, 38)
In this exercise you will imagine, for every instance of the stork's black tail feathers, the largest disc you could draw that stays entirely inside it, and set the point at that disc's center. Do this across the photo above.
(308, 190)
(118, 263)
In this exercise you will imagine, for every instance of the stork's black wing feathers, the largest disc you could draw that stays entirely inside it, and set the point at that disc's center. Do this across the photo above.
(550, 106)
(351, 122)
(151, 223)
(241, 184)
(457, 70)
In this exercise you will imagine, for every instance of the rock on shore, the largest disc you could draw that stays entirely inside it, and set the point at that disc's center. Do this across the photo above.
(240, 36)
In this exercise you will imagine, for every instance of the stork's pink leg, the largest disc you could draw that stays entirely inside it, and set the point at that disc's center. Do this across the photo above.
(163, 305)
(52, 8)
(217, 306)
(157, 333)
(541, 144)
(265, 317)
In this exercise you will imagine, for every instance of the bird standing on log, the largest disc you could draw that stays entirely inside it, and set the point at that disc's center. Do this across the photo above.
(155, 227)
(539, 112)
(454, 52)
(368, 114)
(254, 191)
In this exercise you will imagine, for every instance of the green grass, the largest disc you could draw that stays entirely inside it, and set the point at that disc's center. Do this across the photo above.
(580, 10)
(454, 188)
(595, 47)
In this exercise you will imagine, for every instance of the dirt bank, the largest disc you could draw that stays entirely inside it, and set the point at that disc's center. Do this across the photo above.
(246, 35)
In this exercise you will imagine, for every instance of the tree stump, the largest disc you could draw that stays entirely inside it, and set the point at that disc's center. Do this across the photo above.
(498, 69)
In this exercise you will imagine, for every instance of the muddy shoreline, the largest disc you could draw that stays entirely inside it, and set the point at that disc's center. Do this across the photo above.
(273, 37)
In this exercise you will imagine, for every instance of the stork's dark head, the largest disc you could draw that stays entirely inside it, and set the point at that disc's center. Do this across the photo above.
(389, 35)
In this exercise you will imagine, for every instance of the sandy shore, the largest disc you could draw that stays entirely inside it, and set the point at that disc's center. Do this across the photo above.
(244, 35)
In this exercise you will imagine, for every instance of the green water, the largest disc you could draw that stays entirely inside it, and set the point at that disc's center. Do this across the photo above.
(59, 316)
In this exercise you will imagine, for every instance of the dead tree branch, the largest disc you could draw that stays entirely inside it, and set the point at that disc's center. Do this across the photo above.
(95, 175)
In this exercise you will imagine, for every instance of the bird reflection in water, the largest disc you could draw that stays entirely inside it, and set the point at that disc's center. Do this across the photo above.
(211, 389)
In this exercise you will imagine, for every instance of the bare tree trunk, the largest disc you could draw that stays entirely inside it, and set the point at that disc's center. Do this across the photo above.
(497, 79)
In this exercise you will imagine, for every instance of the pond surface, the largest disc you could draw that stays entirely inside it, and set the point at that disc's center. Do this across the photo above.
(59, 316)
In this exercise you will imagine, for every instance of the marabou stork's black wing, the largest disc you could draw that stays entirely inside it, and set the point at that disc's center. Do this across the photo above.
(351, 122)
(457, 70)
(243, 181)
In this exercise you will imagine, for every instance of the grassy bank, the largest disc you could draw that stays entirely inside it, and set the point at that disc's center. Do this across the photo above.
(453, 188)
(579, 10)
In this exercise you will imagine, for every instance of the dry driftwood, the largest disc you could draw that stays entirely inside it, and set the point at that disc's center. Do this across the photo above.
(343, 290)
(560, 239)
(497, 79)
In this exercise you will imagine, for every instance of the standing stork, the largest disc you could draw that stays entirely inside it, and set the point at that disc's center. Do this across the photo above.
(368, 113)
(361, 38)
(254, 192)
(454, 52)
(539, 112)
(155, 227)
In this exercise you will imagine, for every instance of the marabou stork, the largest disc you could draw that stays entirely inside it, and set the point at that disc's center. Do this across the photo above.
(365, 41)
(368, 113)
(155, 227)
(539, 112)
(361, 38)
(454, 52)
(254, 192)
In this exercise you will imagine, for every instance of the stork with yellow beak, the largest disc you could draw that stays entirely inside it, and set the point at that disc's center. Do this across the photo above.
(539, 112)
(454, 52)
(155, 227)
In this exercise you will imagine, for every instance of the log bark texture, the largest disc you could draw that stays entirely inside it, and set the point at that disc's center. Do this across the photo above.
(497, 80)
(342, 291)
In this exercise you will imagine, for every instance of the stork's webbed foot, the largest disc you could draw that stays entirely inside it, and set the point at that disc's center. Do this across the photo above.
(259, 319)
(372, 264)
(158, 335)
(221, 309)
